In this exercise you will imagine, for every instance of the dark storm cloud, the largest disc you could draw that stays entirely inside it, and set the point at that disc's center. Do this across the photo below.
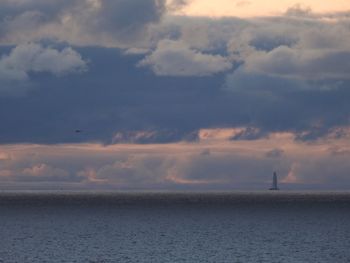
(173, 58)
(311, 109)
(249, 134)
(117, 102)
(84, 22)
(11, 8)
(265, 75)
(114, 97)
(22, 21)
(158, 136)
(121, 19)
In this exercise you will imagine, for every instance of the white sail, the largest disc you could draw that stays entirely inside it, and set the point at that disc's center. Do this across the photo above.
(274, 182)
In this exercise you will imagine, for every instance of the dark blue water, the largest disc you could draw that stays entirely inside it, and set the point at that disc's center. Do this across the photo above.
(160, 227)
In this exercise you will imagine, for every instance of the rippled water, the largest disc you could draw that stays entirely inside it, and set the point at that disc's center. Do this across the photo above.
(159, 227)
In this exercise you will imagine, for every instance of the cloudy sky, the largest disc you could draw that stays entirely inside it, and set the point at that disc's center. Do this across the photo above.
(174, 94)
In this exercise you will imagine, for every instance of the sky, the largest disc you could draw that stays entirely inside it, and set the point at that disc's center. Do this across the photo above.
(174, 94)
(254, 8)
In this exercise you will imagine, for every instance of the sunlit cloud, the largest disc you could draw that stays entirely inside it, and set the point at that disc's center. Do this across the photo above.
(255, 8)
(214, 162)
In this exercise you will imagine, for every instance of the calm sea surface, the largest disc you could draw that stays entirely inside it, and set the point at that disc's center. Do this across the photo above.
(175, 227)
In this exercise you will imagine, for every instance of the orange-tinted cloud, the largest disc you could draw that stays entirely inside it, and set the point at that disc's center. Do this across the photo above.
(260, 7)
(214, 162)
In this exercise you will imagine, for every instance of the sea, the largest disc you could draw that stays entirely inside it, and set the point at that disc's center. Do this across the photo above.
(96, 227)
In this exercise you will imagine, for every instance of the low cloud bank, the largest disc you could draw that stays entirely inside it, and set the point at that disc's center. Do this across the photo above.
(215, 164)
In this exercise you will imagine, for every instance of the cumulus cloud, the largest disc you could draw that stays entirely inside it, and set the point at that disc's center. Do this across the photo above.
(16, 67)
(31, 20)
(298, 10)
(301, 48)
(39, 173)
(36, 58)
(338, 150)
(175, 5)
(173, 58)
(117, 23)
(249, 133)
(297, 63)
(44, 172)
(154, 136)
(136, 171)
(272, 63)
(291, 44)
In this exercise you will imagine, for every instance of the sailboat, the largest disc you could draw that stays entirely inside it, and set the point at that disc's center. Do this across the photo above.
(274, 182)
